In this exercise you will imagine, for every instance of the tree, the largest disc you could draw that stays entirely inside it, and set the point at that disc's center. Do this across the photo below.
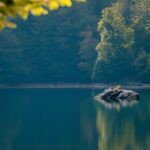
(87, 52)
(124, 34)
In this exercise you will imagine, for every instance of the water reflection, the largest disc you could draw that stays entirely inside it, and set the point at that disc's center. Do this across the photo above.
(88, 133)
(44, 119)
(117, 105)
(127, 129)
(11, 111)
(70, 120)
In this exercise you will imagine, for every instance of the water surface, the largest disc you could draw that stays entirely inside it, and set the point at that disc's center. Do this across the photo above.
(70, 119)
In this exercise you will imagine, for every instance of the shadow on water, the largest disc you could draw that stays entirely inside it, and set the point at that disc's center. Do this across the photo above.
(56, 119)
(124, 128)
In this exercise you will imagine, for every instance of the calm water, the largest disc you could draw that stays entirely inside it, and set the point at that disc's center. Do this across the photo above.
(53, 119)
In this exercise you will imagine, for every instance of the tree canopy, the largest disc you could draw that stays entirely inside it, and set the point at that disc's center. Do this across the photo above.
(124, 49)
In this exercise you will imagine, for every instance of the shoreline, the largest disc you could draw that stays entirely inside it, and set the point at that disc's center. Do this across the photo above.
(73, 86)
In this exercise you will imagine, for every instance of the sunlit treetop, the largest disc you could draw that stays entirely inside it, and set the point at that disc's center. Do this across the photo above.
(22, 8)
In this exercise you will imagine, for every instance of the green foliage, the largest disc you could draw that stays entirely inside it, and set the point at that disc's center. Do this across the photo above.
(124, 42)
(114, 32)
(60, 47)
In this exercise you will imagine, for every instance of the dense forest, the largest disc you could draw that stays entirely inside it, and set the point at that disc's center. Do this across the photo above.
(124, 47)
(97, 41)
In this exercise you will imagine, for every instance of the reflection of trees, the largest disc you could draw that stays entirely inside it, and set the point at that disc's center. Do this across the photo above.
(12, 105)
(46, 119)
(60, 120)
(127, 129)
(87, 125)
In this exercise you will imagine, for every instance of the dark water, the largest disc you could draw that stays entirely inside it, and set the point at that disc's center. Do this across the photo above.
(53, 119)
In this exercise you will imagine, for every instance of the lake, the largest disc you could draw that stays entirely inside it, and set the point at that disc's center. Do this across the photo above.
(70, 119)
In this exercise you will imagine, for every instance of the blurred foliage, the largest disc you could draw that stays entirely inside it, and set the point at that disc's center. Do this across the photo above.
(22, 8)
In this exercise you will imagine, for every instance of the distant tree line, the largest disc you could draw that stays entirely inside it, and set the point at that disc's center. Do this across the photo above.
(60, 47)
(51, 48)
